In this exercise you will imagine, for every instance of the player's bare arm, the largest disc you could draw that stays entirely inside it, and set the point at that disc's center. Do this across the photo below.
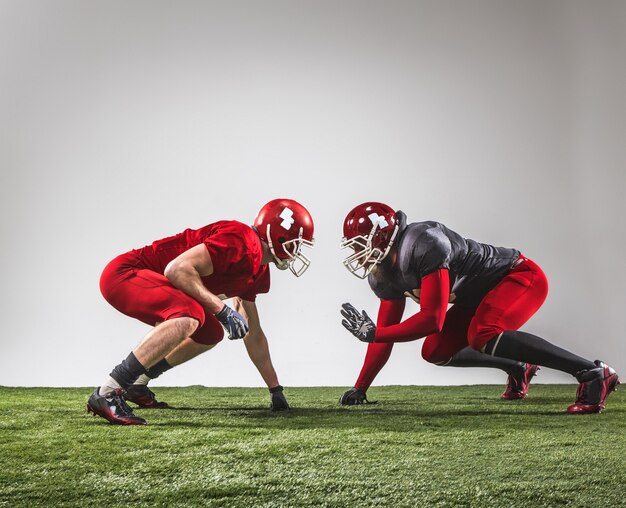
(185, 272)
(256, 342)
(259, 353)
(181, 277)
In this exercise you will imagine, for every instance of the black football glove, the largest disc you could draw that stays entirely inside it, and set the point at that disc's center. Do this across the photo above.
(235, 323)
(279, 402)
(354, 397)
(359, 325)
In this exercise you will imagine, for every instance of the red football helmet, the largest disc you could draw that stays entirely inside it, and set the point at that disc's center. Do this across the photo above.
(370, 229)
(286, 226)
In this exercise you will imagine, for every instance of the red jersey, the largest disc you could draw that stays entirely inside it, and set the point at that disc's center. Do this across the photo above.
(235, 251)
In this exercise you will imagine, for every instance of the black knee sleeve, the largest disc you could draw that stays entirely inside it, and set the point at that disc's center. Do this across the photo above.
(490, 347)
(525, 347)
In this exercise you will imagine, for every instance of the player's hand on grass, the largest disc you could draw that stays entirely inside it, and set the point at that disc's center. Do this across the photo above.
(352, 397)
(234, 323)
(358, 324)
(279, 401)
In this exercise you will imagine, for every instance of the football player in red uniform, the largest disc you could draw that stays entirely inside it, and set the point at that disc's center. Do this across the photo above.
(493, 291)
(178, 285)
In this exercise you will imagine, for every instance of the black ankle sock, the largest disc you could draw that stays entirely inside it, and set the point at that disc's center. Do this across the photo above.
(156, 370)
(469, 357)
(127, 372)
(529, 348)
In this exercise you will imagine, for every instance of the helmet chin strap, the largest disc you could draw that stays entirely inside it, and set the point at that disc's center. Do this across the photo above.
(296, 262)
(281, 264)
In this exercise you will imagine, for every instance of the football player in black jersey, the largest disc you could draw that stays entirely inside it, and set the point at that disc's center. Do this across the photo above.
(493, 292)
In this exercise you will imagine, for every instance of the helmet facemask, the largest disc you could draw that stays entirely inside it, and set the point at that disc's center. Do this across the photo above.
(366, 257)
(296, 261)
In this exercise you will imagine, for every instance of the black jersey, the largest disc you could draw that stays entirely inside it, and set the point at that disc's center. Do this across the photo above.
(425, 247)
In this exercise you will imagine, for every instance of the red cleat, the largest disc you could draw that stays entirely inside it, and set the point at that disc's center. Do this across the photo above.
(517, 386)
(143, 397)
(595, 386)
(113, 408)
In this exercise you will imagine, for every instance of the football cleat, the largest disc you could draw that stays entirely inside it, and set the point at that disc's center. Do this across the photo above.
(143, 397)
(113, 408)
(595, 386)
(517, 386)
(354, 397)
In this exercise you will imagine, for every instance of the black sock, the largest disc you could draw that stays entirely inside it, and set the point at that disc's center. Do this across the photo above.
(127, 372)
(156, 370)
(469, 357)
(529, 348)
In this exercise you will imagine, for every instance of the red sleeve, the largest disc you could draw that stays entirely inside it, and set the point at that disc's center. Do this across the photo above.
(435, 292)
(389, 313)
(230, 252)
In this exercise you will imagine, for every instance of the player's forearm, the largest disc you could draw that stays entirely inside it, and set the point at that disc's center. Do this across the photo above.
(416, 327)
(259, 353)
(186, 278)
(375, 359)
(389, 313)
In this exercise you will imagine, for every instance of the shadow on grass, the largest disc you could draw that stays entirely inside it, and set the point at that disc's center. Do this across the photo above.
(339, 418)
(226, 409)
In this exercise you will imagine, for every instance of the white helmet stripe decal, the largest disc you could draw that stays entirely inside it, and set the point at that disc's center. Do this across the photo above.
(378, 220)
(287, 216)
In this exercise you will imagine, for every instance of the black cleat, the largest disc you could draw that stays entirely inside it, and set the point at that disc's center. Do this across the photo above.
(113, 408)
(143, 397)
(595, 386)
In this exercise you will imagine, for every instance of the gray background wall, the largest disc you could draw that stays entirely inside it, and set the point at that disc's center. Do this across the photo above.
(121, 123)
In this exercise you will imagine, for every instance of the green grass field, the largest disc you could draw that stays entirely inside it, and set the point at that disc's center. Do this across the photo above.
(419, 446)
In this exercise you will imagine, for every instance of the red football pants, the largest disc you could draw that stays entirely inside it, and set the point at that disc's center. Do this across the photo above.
(150, 297)
(506, 307)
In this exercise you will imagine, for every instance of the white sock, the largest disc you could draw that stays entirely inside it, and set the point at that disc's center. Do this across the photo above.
(109, 386)
(142, 380)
